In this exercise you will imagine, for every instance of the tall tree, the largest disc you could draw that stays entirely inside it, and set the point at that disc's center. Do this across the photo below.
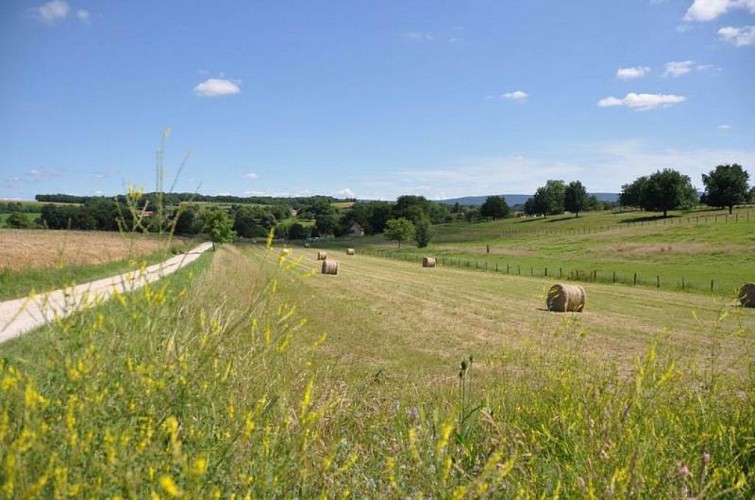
(575, 197)
(726, 186)
(399, 230)
(667, 190)
(218, 225)
(495, 207)
(422, 232)
(631, 194)
(548, 199)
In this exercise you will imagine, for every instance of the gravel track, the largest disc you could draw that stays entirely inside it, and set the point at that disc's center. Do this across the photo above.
(22, 315)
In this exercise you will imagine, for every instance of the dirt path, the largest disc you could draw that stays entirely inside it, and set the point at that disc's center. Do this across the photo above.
(22, 315)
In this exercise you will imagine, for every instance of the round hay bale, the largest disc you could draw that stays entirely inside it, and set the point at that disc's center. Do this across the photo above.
(428, 262)
(747, 295)
(330, 267)
(306, 245)
(322, 255)
(563, 298)
(286, 251)
(351, 251)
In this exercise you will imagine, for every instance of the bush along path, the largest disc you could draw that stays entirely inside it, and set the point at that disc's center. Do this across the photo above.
(22, 315)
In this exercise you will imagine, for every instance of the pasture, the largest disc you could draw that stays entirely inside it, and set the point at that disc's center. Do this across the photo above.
(700, 251)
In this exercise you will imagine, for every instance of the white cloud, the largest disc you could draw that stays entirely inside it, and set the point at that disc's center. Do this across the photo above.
(632, 73)
(214, 87)
(83, 15)
(724, 127)
(53, 11)
(738, 36)
(250, 175)
(708, 10)
(642, 102)
(678, 68)
(346, 193)
(517, 95)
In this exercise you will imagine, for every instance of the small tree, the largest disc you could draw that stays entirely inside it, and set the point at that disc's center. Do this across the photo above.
(400, 229)
(575, 197)
(726, 186)
(422, 233)
(495, 207)
(218, 225)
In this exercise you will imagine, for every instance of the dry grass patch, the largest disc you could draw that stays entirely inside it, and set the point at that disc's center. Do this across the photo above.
(30, 249)
(635, 249)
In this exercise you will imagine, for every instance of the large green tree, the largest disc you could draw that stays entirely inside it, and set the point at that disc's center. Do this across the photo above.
(218, 225)
(495, 207)
(631, 193)
(575, 197)
(548, 199)
(667, 190)
(399, 230)
(726, 186)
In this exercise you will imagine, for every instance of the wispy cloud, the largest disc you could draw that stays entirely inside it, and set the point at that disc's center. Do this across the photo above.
(250, 175)
(632, 73)
(52, 12)
(346, 193)
(38, 173)
(517, 95)
(84, 16)
(642, 102)
(215, 87)
(678, 68)
(724, 127)
(740, 37)
(419, 36)
(708, 10)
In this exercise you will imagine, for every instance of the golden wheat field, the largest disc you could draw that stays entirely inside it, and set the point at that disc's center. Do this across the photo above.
(26, 249)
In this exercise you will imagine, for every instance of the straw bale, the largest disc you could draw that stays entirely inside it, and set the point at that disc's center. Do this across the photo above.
(330, 267)
(428, 262)
(563, 298)
(747, 295)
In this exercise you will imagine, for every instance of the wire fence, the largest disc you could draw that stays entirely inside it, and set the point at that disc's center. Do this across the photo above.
(587, 276)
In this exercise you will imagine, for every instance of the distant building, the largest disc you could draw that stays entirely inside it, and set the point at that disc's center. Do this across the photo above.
(356, 230)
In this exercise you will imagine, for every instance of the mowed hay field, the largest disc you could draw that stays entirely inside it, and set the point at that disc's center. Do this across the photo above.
(417, 323)
(44, 260)
(24, 248)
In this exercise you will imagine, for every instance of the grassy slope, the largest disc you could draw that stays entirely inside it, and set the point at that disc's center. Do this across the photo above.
(693, 248)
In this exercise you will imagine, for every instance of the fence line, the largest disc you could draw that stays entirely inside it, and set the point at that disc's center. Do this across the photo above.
(594, 276)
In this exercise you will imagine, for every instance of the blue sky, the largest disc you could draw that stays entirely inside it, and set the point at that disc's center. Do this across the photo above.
(372, 99)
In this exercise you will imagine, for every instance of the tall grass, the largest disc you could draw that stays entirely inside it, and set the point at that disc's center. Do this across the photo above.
(213, 384)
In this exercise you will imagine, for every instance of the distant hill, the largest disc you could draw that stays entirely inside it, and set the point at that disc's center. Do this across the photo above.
(516, 199)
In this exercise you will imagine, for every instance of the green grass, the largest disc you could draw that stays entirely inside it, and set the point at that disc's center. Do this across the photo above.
(221, 381)
(690, 251)
(17, 284)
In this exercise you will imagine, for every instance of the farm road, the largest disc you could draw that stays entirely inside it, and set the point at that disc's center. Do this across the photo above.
(22, 315)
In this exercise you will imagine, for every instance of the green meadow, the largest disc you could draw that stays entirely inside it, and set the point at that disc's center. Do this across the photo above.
(250, 374)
